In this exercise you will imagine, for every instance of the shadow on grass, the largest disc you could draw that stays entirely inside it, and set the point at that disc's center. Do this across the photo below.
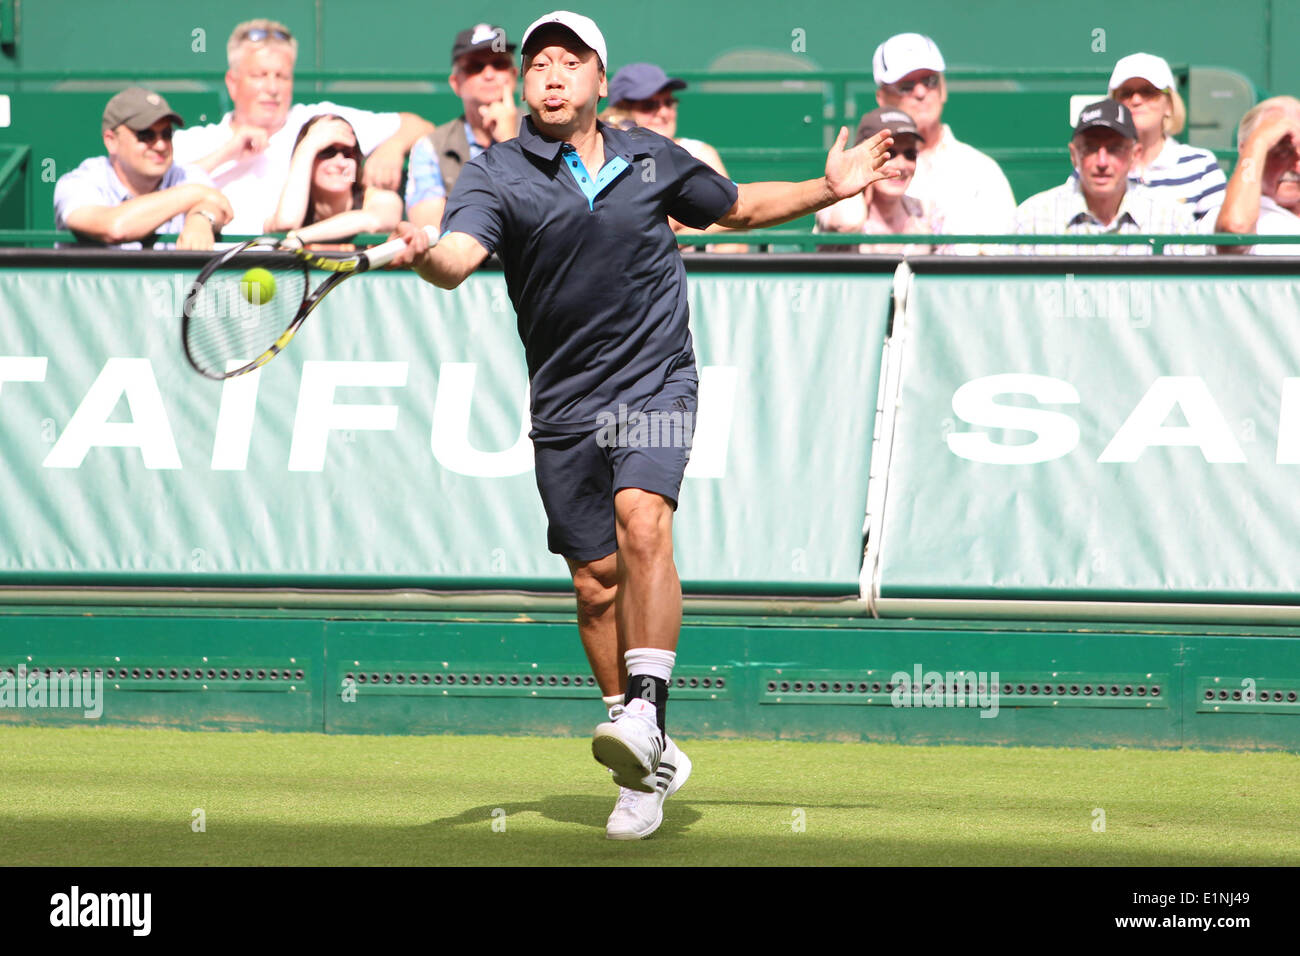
(568, 830)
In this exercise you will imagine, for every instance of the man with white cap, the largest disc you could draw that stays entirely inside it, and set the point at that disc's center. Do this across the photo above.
(1263, 196)
(967, 187)
(1098, 199)
(566, 205)
(1145, 84)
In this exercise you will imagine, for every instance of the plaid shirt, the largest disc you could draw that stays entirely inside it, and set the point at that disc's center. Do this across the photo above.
(1063, 211)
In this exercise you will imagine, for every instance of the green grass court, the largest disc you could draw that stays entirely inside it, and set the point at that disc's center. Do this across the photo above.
(107, 796)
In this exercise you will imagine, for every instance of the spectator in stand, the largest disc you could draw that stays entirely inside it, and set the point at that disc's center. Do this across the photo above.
(484, 76)
(644, 92)
(1145, 84)
(1263, 195)
(125, 198)
(966, 186)
(324, 199)
(883, 208)
(248, 152)
(1098, 198)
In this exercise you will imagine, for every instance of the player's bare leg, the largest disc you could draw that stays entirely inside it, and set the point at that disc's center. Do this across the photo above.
(649, 598)
(595, 584)
(648, 609)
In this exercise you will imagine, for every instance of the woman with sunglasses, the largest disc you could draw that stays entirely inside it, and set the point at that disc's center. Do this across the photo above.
(884, 208)
(323, 200)
(1145, 84)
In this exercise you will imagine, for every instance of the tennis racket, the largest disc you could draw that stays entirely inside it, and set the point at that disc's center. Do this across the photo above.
(250, 301)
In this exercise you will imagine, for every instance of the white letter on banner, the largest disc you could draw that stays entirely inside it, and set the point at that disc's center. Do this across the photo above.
(449, 437)
(148, 430)
(16, 368)
(717, 409)
(1145, 426)
(235, 420)
(317, 414)
(1056, 433)
(1288, 423)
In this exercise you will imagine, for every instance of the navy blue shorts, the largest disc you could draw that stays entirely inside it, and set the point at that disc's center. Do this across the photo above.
(578, 474)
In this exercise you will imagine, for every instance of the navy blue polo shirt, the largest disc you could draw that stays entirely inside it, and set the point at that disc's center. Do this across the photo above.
(591, 263)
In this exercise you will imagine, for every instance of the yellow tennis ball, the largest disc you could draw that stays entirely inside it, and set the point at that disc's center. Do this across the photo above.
(257, 286)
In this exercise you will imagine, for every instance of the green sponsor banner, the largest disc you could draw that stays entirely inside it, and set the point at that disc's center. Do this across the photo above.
(387, 447)
(1097, 438)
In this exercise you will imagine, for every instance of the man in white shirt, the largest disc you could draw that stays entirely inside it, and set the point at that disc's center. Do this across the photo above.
(967, 187)
(248, 152)
(1263, 196)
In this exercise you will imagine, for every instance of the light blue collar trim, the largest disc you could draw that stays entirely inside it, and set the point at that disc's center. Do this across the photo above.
(591, 188)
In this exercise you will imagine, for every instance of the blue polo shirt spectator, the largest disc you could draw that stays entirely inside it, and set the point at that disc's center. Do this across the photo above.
(591, 263)
(424, 171)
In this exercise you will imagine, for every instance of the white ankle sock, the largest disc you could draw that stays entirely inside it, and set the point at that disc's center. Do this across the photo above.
(650, 662)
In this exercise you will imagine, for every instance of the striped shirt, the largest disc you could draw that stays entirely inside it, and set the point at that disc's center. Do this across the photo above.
(1185, 174)
(1063, 211)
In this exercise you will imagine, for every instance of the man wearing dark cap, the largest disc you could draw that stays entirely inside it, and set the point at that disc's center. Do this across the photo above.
(645, 92)
(124, 198)
(578, 213)
(884, 208)
(1100, 200)
(483, 75)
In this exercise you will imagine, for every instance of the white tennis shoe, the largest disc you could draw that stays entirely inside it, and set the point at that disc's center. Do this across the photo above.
(637, 815)
(631, 746)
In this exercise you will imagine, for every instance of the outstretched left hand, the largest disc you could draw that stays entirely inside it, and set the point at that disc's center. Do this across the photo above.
(849, 171)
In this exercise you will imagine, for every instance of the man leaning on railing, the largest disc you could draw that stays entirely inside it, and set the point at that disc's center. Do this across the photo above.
(1263, 195)
(126, 198)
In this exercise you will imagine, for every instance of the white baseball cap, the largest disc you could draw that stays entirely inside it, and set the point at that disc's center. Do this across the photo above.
(584, 28)
(1146, 66)
(905, 53)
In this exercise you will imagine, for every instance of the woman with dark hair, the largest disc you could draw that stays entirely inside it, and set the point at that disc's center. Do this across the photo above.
(323, 199)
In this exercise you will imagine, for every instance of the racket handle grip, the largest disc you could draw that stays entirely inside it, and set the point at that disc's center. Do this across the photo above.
(379, 256)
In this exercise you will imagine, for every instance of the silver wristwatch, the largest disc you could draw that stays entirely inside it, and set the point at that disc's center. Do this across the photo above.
(209, 217)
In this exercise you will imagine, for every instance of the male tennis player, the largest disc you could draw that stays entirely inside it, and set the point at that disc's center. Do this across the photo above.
(578, 213)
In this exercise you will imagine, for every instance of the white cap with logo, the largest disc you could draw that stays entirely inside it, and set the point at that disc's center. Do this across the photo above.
(583, 27)
(905, 53)
(1155, 70)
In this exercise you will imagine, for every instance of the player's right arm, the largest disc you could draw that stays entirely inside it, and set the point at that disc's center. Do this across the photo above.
(447, 264)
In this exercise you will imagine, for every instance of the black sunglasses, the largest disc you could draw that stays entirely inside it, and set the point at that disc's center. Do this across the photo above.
(147, 136)
(930, 82)
(258, 34)
(905, 153)
(329, 152)
(502, 64)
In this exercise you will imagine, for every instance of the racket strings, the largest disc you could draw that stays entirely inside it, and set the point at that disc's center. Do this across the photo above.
(231, 319)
